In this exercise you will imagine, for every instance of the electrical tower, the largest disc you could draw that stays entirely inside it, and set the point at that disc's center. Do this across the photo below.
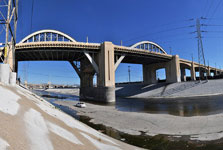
(8, 21)
(201, 58)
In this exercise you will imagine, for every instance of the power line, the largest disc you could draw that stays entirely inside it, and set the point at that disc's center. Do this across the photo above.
(205, 6)
(32, 17)
(172, 29)
(214, 25)
(216, 8)
(209, 9)
(166, 24)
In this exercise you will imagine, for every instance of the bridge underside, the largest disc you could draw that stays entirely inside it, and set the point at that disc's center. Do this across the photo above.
(78, 54)
(139, 59)
(49, 54)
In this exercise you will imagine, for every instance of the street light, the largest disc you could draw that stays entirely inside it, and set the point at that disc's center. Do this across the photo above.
(129, 71)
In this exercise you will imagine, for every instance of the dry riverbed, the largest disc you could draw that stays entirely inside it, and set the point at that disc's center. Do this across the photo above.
(189, 132)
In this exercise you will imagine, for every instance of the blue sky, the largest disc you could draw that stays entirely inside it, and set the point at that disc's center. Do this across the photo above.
(168, 23)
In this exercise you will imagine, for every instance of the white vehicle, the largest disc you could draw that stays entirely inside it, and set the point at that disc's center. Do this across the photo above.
(81, 105)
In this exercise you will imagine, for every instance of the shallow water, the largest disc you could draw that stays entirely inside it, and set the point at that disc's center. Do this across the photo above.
(179, 107)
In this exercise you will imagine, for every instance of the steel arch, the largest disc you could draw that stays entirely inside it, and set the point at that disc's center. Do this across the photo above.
(44, 34)
(148, 45)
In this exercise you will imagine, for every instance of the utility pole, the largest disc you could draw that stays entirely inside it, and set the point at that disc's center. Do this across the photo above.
(201, 58)
(129, 71)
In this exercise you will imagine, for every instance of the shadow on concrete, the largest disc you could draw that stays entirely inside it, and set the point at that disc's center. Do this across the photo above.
(179, 88)
(127, 90)
(160, 89)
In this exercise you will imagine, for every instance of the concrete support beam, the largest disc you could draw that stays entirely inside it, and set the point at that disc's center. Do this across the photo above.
(92, 61)
(173, 70)
(75, 68)
(149, 74)
(192, 72)
(119, 61)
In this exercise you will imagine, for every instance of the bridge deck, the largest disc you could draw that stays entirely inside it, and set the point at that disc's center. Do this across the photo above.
(55, 50)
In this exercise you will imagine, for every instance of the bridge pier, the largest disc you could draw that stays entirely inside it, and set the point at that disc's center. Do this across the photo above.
(106, 75)
(192, 72)
(202, 75)
(173, 70)
(208, 71)
(86, 75)
(183, 74)
(105, 90)
(149, 74)
(10, 59)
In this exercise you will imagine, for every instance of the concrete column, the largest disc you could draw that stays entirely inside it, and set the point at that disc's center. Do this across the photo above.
(105, 90)
(216, 72)
(208, 71)
(173, 70)
(106, 76)
(183, 74)
(10, 58)
(192, 72)
(86, 73)
(202, 75)
(149, 74)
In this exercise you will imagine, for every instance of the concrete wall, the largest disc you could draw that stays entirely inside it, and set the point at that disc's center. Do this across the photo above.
(6, 76)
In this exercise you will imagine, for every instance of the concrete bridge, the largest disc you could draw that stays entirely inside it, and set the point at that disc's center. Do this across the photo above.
(103, 60)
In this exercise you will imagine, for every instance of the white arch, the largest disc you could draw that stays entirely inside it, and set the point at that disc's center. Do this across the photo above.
(148, 42)
(48, 31)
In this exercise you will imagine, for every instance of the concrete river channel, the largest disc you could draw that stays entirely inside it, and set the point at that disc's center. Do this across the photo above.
(185, 107)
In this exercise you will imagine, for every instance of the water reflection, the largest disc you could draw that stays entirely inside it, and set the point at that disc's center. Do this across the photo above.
(178, 107)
